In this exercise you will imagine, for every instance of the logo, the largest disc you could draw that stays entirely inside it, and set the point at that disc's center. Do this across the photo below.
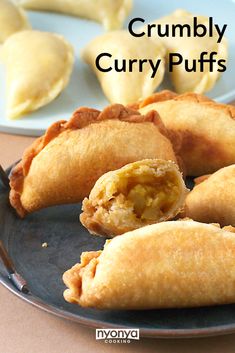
(117, 335)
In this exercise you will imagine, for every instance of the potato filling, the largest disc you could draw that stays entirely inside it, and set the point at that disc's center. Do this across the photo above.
(149, 194)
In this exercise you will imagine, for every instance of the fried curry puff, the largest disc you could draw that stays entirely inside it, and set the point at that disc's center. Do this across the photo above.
(202, 131)
(213, 200)
(62, 166)
(134, 196)
(166, 265)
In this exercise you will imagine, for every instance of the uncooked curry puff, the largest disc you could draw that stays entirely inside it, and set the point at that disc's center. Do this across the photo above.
(134, 196)
(202, 131)
(12, 19)
(63, 165)
(38, 66)
(110, 13)
(190, 48)
(166, 265)
(129, 76)
(213, 200)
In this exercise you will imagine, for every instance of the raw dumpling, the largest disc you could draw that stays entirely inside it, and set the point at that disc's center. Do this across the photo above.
(38, 66)
(167, 265)
(125, 87)
(213, 200)
(191, 48)
(202, 131)
(12, 19)
(111, 13)
(138, 194)
(63, 165)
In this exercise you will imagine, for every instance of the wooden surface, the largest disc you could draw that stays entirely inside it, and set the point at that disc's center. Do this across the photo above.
(25, 329)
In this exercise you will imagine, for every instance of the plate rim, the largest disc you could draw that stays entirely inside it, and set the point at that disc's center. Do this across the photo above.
(226, 98)
(95, 324)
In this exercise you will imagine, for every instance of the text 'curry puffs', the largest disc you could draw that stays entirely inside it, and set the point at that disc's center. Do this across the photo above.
(38, 66)
(12, 19)
(134, 196)
(213, 200)
(202, 131)
(63, 165)
(119, 86)
(110, 13)
(166, 265)
(191, 48)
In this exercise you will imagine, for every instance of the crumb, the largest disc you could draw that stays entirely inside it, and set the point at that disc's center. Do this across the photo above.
(44, 245)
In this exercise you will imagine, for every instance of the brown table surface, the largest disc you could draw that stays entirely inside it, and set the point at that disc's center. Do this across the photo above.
(26, 329)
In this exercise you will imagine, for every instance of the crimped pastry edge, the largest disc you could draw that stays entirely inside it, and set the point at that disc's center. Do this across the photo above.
(81, 118)
(167, 95)
(16, 111)
(73, 277)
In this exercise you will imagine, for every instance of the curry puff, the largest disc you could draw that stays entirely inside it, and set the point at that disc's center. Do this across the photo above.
(38, 67)
(62, 166)
(108, 12)
(173, 264)
(138, 194)
(12, 19)
(202, 131)
(190, 48)
(130, 76)
(213, 200)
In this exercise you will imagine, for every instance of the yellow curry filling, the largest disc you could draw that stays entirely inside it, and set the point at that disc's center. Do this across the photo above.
(144, 194)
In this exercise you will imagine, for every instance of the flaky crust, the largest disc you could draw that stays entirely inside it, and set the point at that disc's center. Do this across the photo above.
(167, 265)
(82, 118)
(213, 198)
(117, 219)
(189, 97)
(189, 119)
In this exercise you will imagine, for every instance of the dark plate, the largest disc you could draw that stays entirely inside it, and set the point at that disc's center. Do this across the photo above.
(67, 239)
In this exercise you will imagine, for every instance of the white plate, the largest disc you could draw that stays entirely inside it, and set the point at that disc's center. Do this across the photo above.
(83, 89)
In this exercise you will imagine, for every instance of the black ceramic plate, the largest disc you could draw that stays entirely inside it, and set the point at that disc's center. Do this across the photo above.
(67, 239)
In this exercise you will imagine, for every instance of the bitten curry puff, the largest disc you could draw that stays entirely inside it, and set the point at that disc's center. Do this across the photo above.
(202, 131)
(136, 195)
(172, 264)
(62, 166)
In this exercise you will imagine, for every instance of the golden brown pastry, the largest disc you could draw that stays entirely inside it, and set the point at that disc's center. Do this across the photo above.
(213, 200)
(202, 131)
(12, 19)
(119, 86)
(138, 194)
(167, 265)
(109, 12)
(63, 165)
(38, 66)
(191, 48)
